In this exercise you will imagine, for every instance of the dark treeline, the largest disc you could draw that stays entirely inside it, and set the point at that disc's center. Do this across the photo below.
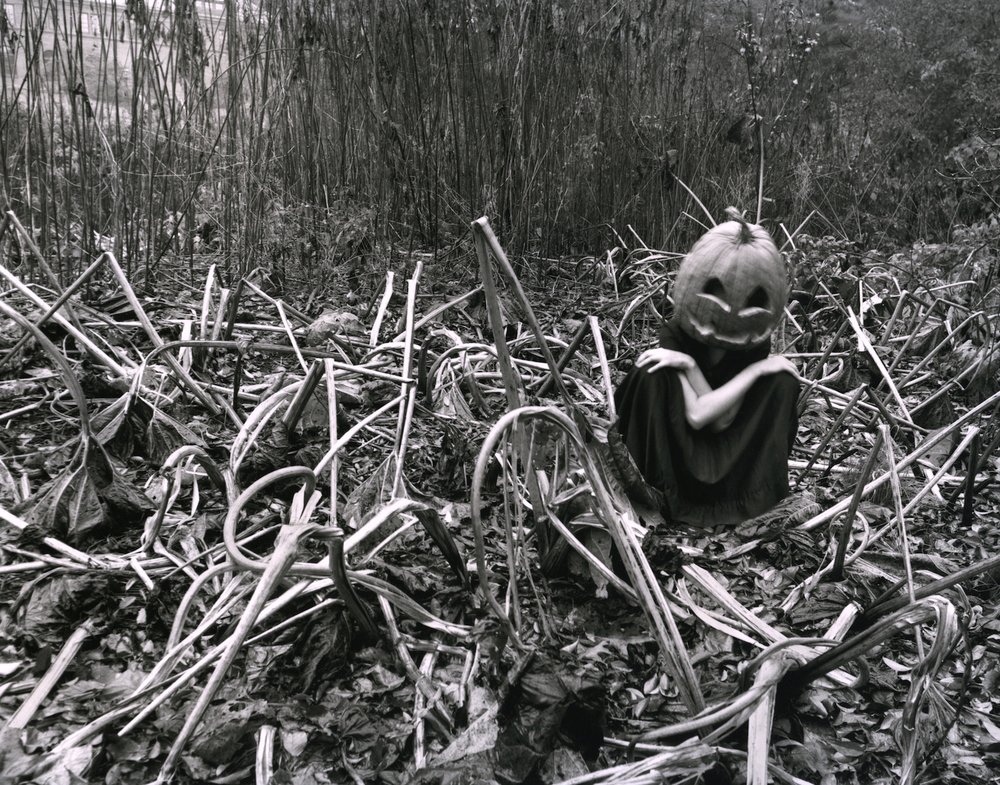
(264, 125)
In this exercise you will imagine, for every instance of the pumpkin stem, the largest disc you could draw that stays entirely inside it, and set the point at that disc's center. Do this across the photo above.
(746, 234)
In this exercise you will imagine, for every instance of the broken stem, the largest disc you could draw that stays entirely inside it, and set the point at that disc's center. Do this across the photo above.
(837, 572)
(48, 682)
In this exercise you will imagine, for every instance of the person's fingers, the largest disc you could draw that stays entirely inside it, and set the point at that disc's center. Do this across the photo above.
(783, 364)
(657, 359)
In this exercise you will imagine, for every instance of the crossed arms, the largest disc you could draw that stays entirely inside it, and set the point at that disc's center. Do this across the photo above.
(703, 406)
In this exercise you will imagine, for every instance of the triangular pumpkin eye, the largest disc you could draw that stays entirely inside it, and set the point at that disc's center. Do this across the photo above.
(714, 287)
(758, 299)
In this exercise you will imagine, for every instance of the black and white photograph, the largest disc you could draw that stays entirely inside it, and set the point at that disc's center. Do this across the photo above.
(499, 392)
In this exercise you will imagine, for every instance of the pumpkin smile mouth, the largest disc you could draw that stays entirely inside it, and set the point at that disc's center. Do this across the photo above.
(709, 333)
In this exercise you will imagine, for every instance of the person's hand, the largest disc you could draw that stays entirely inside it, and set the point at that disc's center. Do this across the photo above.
(656, 359)
(776, 363)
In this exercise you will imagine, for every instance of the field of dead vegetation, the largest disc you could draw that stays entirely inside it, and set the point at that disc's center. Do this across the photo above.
(327, 529)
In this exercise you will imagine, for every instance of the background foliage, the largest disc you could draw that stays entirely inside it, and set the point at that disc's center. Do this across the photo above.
(304, 129)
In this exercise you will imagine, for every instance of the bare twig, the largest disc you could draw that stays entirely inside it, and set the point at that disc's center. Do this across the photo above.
(46, 684)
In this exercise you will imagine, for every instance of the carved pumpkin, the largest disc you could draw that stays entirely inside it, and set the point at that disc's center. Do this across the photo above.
(732, 286)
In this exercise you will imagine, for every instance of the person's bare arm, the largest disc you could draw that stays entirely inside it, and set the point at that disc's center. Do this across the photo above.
(658, 358)
(693, 380)
(716, 409)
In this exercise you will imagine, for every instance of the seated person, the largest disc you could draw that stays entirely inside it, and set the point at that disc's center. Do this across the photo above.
(709, 416)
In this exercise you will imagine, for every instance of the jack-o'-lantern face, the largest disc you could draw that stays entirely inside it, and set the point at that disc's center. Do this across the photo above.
(731, 288)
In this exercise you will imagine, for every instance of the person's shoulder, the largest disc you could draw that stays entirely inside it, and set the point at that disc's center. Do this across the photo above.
(783, 379)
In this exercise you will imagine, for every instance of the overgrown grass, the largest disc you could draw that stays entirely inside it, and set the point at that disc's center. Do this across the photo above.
(264, 131)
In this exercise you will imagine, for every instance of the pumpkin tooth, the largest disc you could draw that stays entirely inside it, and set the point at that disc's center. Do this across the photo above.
(704, 331)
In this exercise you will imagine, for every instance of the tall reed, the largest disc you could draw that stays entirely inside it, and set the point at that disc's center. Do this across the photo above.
(261, 129)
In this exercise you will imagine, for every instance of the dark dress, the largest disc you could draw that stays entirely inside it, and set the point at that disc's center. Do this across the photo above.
(709, 478)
